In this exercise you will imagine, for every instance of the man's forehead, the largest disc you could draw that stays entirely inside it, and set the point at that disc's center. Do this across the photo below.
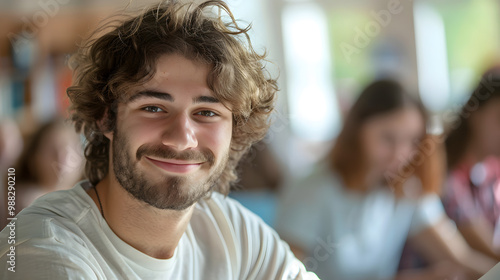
(162, 87)
(170, 63)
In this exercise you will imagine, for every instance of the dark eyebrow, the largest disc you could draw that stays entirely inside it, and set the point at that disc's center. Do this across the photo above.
(153, 94)
(205, 99)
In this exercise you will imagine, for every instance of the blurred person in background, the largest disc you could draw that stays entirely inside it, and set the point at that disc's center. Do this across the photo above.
(11, 143)
(472, 193)
(261, 177)
(52, 160)
(350, 218)
(260, 169)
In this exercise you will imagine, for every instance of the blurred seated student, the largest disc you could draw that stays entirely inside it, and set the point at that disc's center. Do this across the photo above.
(472, 193)
(260, 178)
(350, 218)
(260, 170)
(51, 160)
(11, 143)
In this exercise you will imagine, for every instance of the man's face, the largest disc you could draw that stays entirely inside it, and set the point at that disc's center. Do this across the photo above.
(172, 136)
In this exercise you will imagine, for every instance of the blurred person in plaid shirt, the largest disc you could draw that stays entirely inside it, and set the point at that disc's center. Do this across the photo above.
(472, 193)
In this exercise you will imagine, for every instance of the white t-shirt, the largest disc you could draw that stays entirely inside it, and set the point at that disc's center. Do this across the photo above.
(493, 274)
(63, 236)
(348, 235)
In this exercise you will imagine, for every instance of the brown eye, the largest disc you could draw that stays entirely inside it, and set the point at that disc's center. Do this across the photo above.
(152, 109)
(206, 113)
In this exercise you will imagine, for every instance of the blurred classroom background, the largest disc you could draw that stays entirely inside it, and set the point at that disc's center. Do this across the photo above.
(324, 52)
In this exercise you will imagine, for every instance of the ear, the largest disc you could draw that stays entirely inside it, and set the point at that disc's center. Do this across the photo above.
(104, 126)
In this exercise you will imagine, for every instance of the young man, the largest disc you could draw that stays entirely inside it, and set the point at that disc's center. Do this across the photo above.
(168, 101)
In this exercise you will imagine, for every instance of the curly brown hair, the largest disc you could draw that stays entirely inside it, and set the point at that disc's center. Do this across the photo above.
(107, 66)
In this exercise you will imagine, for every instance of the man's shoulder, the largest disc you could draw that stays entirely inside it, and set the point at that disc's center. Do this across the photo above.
(225, 211)
(68, 204)
(227, 208)
(255, 246)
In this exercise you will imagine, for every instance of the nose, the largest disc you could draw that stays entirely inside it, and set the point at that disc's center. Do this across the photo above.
(180, 133)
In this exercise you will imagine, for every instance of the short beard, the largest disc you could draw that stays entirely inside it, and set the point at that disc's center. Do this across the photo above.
(173, 192)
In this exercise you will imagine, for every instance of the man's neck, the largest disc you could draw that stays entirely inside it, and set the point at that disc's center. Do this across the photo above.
(150, 230)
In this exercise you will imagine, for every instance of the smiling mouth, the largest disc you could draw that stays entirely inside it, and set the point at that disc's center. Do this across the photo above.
(175, 166)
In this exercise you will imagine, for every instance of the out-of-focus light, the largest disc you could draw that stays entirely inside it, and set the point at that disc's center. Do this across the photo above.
(314, 113)
(433, 74)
